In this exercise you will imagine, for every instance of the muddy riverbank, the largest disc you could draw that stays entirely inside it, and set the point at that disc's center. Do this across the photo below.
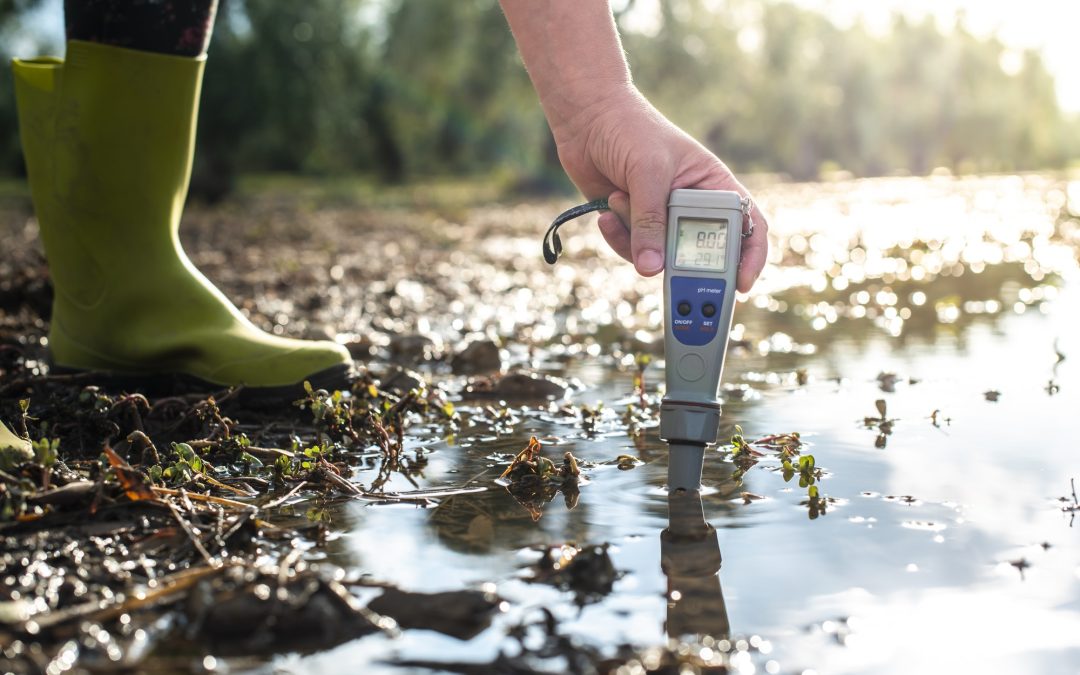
(915, 337)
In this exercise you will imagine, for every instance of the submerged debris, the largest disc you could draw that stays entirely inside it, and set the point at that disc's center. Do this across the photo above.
(540, 647)
(1020, 564)
(586, 570)
(534, 480)
(460, 614)
(281, 608)
(882, 423)
(887, 381)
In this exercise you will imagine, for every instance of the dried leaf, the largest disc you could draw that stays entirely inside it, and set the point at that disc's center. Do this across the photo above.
(131, 481)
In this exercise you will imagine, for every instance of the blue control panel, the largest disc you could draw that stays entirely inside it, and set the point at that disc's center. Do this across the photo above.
(696, 305)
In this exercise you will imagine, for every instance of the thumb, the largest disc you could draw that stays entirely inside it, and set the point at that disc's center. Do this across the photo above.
(648, 220)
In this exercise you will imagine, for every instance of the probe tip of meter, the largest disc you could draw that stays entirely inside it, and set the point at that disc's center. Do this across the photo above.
(704, 241)
(684, 466)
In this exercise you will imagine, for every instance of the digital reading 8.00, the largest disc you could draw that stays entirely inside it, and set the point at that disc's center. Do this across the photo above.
(701, 244)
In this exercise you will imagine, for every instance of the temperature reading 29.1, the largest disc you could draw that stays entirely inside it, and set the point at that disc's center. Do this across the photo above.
(701, 244)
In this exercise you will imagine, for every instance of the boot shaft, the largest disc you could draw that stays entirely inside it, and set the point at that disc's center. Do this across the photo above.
(108, 136)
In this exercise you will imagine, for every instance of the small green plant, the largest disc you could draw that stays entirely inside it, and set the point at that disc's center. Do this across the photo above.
(302, 461)
(185, 466)
(45, 451)
(331, 414)
(805, 468)
(743, 454)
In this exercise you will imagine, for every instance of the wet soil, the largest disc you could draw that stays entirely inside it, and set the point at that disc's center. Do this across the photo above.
(873, 492)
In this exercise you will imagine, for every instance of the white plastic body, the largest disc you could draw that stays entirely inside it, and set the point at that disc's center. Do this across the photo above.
(690, 411)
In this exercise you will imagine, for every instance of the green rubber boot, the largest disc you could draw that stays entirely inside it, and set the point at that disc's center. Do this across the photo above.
(108, 137)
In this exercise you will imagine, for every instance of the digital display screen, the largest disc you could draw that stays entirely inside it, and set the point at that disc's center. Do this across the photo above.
(701, 244)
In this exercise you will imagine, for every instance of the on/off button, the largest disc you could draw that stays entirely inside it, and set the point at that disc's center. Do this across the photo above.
(691, 367)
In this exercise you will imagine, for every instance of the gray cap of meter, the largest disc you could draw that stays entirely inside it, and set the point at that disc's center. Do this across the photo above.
(705, 199)
(688, 429)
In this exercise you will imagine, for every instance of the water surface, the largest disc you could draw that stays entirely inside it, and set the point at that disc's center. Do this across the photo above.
(945, 546)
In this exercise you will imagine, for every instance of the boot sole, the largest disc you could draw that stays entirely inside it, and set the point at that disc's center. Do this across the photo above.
(178, 384)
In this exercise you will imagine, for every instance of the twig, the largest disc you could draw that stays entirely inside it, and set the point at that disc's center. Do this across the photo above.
(186, 527)
(273, 453)
(278, 502)
(435, 492)
(218, 484)
(221, 501)
(105, 610)
(343, 484)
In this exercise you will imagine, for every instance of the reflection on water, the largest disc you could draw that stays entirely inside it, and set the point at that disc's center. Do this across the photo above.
(690, 558)
(921, 293)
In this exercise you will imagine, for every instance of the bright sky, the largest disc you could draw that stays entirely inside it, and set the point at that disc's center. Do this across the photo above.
(1052, 27)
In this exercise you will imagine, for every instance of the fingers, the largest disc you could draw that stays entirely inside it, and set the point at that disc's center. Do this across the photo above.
(649, 192)
(613, 224)
(755, 250)
(615, 234)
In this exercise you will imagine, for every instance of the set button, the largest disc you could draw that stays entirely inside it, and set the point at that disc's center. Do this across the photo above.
(708, 310)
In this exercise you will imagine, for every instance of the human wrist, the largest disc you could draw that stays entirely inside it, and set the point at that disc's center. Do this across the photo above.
(587, 104)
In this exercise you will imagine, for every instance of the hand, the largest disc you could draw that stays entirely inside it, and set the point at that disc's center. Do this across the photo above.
(621, 147)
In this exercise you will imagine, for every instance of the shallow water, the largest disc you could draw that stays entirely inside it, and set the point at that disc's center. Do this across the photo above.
(945, 546)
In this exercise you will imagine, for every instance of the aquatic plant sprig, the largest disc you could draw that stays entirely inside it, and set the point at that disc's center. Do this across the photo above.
(1071, 509)
(882, 423)
(745, 455)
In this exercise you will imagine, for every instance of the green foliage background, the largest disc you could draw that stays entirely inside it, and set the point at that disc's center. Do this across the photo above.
(404, 89)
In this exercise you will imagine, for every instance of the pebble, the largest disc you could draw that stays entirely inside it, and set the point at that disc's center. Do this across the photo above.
(519, 385)
(480, 355)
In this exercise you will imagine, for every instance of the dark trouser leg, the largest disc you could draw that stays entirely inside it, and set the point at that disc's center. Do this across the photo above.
(180, 27)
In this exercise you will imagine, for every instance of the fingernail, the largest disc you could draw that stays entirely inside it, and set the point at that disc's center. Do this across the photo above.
(650, 261)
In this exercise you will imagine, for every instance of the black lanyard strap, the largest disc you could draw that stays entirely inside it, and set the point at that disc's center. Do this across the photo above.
(552, 243)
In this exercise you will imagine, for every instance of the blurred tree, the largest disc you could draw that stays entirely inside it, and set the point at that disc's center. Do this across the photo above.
(289, 88)
(461, 100)
(404, 88)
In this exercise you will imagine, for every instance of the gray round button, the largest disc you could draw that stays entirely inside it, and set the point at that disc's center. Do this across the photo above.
(691, 367)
